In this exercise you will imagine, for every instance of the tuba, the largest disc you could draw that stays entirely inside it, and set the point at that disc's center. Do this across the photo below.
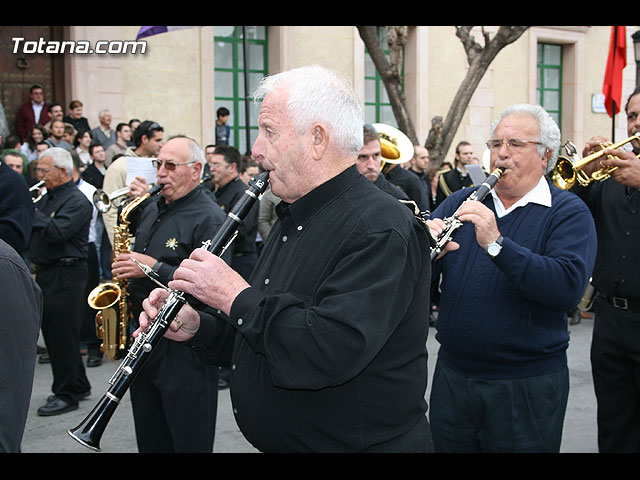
(395, 146)
(112, 299)
(567, 172)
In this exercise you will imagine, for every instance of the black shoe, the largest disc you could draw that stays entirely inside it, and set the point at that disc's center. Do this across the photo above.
(222, 384)
(94, 361)
(55, 406)
(81, 396)
(40, 350)
(44, 358)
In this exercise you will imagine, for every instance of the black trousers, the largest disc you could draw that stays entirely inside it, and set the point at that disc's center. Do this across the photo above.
(472, 415)
(63, 289)
(416, 440)
(175, 401)
(615, 365)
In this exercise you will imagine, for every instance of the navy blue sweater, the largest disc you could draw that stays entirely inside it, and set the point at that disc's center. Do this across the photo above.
(506, 317)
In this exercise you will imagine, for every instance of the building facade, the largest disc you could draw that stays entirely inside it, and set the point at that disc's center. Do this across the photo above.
(182, 77)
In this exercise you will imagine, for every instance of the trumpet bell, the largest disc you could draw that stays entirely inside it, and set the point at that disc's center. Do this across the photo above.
(101, 201)
(564, 176)
(567, 172)
(395, 146)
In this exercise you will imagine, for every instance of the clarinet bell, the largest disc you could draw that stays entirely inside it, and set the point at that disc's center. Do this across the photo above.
(90, 430)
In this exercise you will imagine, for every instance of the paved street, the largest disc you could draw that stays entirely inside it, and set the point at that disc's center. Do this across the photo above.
(48, 434)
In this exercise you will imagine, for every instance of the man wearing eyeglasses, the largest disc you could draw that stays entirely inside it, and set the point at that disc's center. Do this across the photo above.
(521, 259)
(148, 138)
(174, 398)
(59, 249)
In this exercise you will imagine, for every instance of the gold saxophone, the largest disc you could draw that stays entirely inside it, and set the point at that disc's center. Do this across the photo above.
(112, 299)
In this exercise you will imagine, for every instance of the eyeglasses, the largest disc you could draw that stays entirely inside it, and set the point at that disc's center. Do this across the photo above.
(44, 170)
(168, 164)
(512, 143)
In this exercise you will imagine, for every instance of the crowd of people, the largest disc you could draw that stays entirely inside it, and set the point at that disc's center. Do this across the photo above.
(317, 315)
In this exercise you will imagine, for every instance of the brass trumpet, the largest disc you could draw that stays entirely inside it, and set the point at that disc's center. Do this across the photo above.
(567, 172)
(103, 201)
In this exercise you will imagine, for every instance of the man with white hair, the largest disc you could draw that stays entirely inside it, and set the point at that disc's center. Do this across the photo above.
(330, 330)
(519, 262)
(59, 248)
(103, 133)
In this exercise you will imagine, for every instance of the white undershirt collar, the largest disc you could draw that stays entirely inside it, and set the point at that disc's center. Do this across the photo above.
(540, 194)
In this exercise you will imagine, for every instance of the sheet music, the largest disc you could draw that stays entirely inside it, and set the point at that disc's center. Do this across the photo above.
(141, 167)
(477, 173)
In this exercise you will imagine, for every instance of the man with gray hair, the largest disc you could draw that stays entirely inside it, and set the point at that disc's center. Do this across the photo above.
(327, 338)
(174, 398)
(58, 249)
(103, 133)
(519, 262)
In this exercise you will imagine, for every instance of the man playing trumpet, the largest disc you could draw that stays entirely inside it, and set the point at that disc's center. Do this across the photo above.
(615, 348)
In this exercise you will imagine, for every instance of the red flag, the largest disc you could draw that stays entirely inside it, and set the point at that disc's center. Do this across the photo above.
(616, 62)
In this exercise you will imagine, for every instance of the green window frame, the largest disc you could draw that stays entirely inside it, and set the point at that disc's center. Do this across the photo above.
(229, 78)
(377, 107)
(549, 83)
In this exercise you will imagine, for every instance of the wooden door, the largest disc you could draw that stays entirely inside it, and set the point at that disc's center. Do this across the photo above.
(19, 71)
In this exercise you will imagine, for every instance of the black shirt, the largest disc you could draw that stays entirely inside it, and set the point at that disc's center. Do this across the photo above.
(383, 184)
(330, 354)
(615, 209)
(16, 209)
(450, 182)
(78, 123)
(20, 320)
(61, 226)
(409, 184)
(93, 176)
(169, 232)
(226, 197)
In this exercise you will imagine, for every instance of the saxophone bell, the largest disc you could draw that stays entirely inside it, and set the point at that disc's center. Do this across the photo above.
(112, 299)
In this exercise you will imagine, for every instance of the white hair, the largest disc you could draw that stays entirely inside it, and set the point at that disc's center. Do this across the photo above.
(550, 136)
(317, 94)
(196, 154)
(61, 158)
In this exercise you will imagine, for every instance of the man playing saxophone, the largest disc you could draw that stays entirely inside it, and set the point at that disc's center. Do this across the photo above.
(174, 397)
(521, 259)
(615, 348)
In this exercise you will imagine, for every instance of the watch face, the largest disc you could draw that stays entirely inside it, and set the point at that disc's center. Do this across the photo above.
(493, 249)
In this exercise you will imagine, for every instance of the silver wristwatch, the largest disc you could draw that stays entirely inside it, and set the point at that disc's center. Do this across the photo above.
(494, 248)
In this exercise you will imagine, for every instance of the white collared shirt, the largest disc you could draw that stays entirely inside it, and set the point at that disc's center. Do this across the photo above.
(37, 109)
(539, 194)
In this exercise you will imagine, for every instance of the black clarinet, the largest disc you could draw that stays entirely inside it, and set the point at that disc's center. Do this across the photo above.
(90, 430)
(453, 222)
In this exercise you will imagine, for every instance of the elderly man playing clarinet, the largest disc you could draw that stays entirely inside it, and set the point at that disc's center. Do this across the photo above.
(521, 259)
(330, 331)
